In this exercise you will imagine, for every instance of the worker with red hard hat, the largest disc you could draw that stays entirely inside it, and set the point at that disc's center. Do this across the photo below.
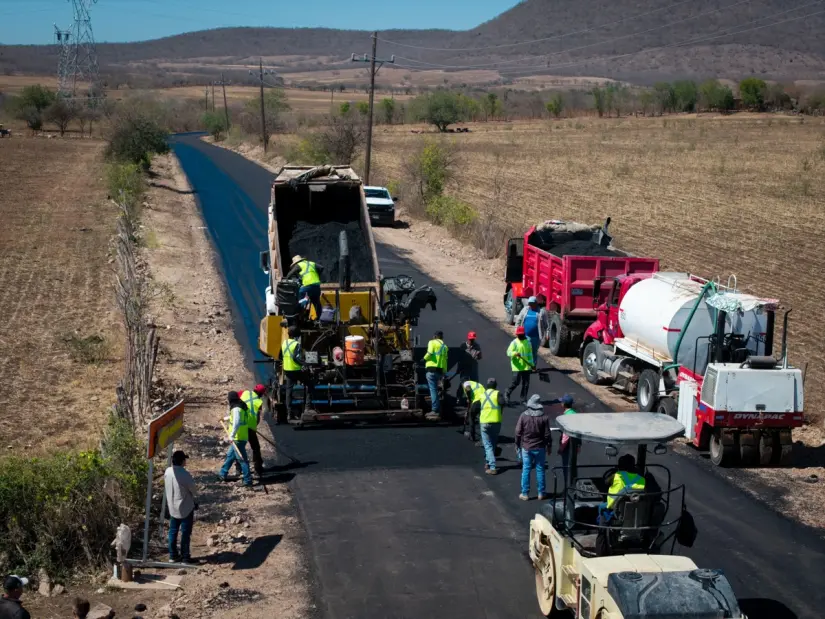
(522, 364)
(254, 402)
(469, 356)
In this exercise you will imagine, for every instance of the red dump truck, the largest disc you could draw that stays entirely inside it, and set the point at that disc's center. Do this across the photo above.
(560, 261)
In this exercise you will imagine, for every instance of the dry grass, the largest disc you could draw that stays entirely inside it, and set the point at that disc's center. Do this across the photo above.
(55, 289)
(713, 196)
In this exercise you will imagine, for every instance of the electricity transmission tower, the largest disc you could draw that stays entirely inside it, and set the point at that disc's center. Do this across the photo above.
(64, 61)
(82, 65)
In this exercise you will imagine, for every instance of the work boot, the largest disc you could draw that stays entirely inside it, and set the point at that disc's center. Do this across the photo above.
(542, 497)
(490, 471)
(524, 497)
(432, 416)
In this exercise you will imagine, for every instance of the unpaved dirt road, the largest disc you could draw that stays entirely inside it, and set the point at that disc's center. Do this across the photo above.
(401, 522)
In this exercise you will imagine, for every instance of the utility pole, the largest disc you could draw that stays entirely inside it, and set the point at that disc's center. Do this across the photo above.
(375, 66)
(213, 96)
(225, 107)
(263, 112)
(206, 99)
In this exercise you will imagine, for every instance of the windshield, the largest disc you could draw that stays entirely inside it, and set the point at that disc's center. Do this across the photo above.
(377, 193)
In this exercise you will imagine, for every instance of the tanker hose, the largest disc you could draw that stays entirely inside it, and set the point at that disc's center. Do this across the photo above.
(705, 288)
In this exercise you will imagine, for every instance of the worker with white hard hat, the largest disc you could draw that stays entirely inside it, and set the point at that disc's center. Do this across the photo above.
(308, 272)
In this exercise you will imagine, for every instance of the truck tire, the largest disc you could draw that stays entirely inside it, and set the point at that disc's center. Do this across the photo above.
(590, 363)
(647, 391)
(667, 406)
(510, 312)
(559, 336)
(766, 447)
(720, 453)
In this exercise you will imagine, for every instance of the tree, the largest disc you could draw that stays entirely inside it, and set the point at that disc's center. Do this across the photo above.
(752, 90)
(215, 124)
(275, 104)
(135, 139)
(61, 113)
(442, 109)
(646, 100)
(665, 97)
(713, 96)
(777, 99)
(492, 106)
(388, 110)
(32, 103)
(363, 108)
(555, 105)
(686, 95)
(599, 100)
(341, 139)
(344, 108)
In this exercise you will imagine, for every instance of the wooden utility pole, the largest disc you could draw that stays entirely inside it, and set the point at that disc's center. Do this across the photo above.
(213, 96)
(263, 112)
(206, 99)
(375, 66)
(225, 107)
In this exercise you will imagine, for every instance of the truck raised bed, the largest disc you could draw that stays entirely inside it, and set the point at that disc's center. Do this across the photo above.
(359, 362)
(703, 352)
(560, 261)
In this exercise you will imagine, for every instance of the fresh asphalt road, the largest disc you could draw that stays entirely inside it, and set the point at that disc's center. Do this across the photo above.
(402, 523)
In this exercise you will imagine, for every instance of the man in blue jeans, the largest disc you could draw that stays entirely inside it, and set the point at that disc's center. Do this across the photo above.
(533, 442)
(435, 363)
(179, 487)
(239, 434)
(490, 421)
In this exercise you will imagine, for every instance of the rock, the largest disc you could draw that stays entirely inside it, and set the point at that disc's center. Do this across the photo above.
(140, 607)
(212, 541)
(45, 588)
(99, 611)
(223, 585)
(94, 398)
(165, 612)
(58, 590)
(235, 520)
(245, 525)
(101, 591)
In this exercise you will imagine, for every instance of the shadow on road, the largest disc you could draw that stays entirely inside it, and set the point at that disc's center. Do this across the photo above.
(761, 608)
(253, 557)
(173, 189)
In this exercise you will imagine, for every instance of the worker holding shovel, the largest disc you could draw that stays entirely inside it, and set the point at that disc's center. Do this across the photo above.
(238, 433)
(522, 364)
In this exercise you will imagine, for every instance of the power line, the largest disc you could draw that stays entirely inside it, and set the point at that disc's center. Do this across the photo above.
(551, 38)
(571, 49)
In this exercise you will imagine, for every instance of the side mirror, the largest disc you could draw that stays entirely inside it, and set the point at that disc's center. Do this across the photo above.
(660, 450)
(265, 262)
(597, 287)
(610, 451)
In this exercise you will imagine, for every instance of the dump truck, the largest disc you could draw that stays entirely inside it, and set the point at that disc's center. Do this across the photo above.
(701, 351)
(360, 361)
(560, 261)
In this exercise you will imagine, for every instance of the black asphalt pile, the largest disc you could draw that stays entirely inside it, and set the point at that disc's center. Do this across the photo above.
(581, 248)
(319, 243)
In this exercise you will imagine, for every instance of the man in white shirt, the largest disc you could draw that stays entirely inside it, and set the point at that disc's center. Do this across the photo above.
(180, 497)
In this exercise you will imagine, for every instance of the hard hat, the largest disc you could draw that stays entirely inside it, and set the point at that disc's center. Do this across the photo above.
(471, 335)
(296, 259)
(567, 399)
(519, 330)
(259, 389)
(532, 300)
(492, 383)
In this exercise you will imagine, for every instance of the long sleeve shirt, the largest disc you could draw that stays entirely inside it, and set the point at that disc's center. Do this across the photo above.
(533, 431)
(296, 270)
(179, 486)
(235, 419)
(544, 321)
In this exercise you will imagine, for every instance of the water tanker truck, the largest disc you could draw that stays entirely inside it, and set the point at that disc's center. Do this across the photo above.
(701, 352)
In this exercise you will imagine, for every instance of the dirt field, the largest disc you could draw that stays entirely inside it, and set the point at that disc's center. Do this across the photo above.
(55, 284)
(712, 196)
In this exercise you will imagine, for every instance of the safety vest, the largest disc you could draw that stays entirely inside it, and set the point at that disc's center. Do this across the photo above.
(436, 356)
(523, 348)
(476, 390)
(624, 482)
(254, 402)
(242, 433)
(288, 349)
(309, 273)
(490, 407)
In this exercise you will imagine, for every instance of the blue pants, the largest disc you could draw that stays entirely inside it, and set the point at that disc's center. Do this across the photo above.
(184, 525)
(489, 438)
(232, 458)
(432, 382)
(313, 291)
(534, 342)
(532, 459)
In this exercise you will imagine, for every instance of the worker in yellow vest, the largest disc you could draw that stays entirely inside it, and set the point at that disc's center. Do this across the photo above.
(239, 434)
(435, 362)
(253, 398)
(625, 480)
(473, 392)
(292, 362)
(308, 272)
(522, 364)
(490, 422)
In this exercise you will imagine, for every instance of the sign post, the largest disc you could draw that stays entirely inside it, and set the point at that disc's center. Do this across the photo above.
(163, 430)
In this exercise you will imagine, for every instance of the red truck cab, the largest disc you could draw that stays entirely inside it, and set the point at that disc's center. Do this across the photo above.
(606, 327)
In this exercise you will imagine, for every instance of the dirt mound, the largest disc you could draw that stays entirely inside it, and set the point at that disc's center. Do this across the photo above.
(319, 243)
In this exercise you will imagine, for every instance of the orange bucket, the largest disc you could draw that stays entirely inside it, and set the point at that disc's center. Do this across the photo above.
(354, 350)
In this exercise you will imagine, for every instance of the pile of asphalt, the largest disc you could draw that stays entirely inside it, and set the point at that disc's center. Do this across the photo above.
(581, 248)
(319, 243)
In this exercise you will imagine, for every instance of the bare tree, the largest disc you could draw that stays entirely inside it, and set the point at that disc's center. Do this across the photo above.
(61, 113)
(343, 137)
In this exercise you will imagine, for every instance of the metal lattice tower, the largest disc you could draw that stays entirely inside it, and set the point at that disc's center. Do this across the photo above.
(84, 55)
(65, 72)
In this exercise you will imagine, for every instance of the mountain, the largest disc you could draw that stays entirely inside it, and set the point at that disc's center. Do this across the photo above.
(639, 40)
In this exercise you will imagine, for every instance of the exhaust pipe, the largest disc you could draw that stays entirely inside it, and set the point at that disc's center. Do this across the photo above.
(785, 340)
(344, 265)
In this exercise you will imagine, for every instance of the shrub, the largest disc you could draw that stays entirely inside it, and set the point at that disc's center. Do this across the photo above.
(363, 108)
(450, 212)
(555, 105)
(135, 139)
(441, 108)
(431, 169)
(752, 90)
(215, 124)
(60, 512)
(32, 103)
(124, 181)
(90, 349)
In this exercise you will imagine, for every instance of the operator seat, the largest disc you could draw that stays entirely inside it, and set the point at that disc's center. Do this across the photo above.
(631, 512)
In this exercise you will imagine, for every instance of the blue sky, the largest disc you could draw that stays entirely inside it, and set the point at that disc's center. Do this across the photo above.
(30, 21)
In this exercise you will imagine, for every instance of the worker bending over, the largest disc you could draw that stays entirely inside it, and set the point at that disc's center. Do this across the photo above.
(310, 281)
(435, 362)
(238, 432)
(490, 422)
(473, 392)
(292, 362)
(254, 401)
(521, 363)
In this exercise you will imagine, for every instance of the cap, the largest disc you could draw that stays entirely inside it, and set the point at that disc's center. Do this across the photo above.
(179, 456)
(532, 300)
(14, 582)
(259, 389)
(296, 259)
(567, 399)
(492, 383)
(471, 335)
(519, 330)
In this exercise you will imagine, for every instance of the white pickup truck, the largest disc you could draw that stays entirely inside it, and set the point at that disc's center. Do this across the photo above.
(381, 205)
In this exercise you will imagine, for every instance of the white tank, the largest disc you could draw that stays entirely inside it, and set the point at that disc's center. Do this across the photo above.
(654, 311)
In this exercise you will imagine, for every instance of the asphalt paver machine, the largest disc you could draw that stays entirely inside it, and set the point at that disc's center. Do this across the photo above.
(622, 567)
